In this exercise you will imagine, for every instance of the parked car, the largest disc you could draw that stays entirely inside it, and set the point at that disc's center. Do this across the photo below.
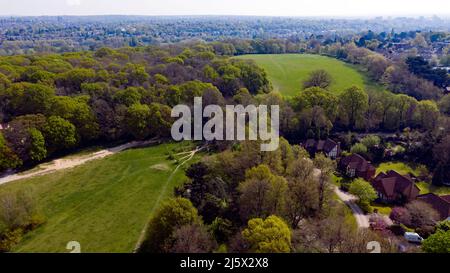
(413, 237)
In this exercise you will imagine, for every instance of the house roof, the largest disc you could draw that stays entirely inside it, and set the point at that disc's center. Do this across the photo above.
(357, 162)
(391, 184)
(322, 145)
(440, 203)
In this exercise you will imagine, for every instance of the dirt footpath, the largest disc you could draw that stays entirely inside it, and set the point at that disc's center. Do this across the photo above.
(70, 162)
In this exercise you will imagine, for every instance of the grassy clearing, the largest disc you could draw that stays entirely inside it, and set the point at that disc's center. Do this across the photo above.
(400, 167)
(288, 71)
(103, 204)
(427, 188)
(382, 208)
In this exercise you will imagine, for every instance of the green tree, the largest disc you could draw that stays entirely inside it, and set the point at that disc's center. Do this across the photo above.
(271, 235)
(427, 114)
(73, 79)
(59, 134)
(128, 96)
(4, 82)
(439, 242)
(78, 112)
(353, 103)
(359, 148)
(303, 191)
(37, 146)
(262, 193)
(8, 159)
(27, 98)
(363, 190)
(316, 96)
(173, 214)
(444, 104)
(326, 167)
(137, 120)
(371, 141)
(318, 78)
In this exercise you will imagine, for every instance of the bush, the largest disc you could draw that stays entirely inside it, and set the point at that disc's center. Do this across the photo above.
(366, 207)
(359, 148)
(345, 186)
(398, 229)
(9, 239)
(173, 214)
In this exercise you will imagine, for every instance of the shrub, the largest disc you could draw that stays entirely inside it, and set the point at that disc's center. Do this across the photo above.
(9, 239)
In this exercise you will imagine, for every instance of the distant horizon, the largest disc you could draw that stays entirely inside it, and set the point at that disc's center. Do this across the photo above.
(260, 8)
(409, 16)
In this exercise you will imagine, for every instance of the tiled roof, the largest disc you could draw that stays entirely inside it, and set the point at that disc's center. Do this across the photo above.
(392, 184)
(440, 203)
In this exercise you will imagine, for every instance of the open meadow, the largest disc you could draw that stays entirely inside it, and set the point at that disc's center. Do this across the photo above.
(104, 205)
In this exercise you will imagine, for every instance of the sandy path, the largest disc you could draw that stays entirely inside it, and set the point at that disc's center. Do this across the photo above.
(70, 162)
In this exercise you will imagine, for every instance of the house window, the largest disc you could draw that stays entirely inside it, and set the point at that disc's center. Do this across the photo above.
(351, 172)
(333, 153)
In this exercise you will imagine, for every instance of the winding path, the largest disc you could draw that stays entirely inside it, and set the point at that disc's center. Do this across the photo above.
(361, 219)
(70, 162)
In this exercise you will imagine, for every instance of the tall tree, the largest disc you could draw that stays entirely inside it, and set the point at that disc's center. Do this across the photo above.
(262, 193)
(318, 78)
(271, 235)
(172, 214)
(353, 104)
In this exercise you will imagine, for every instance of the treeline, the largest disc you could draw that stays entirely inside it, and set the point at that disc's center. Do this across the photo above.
(244, 200)
(318, 113)
(51, 104)
(413, 77)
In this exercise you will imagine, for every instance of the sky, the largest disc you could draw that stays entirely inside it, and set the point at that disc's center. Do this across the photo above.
(337, 8)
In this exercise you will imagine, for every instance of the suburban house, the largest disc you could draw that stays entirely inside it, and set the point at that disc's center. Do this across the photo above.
(440, 203)
(329, 147)
(356, 166)
(394, 187)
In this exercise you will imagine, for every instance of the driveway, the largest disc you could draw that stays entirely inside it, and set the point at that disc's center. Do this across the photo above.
(361, 219)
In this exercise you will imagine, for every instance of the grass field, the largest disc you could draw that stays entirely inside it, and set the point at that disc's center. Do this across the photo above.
(400, 167)
(427, 188)
(103, 204)
(288, 71)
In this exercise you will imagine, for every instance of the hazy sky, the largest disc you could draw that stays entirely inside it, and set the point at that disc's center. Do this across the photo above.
(226, 7)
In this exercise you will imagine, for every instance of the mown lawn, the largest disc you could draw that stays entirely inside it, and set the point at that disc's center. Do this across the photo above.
(400, 167)
(103, 204)
(382, 208)
(427, 188)
(288, 71)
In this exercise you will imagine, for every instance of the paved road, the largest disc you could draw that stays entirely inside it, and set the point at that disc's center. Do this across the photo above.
(361, 219)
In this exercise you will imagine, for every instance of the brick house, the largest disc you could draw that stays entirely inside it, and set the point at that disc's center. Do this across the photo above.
(356, 166)
(394, 187)
(329, 147)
